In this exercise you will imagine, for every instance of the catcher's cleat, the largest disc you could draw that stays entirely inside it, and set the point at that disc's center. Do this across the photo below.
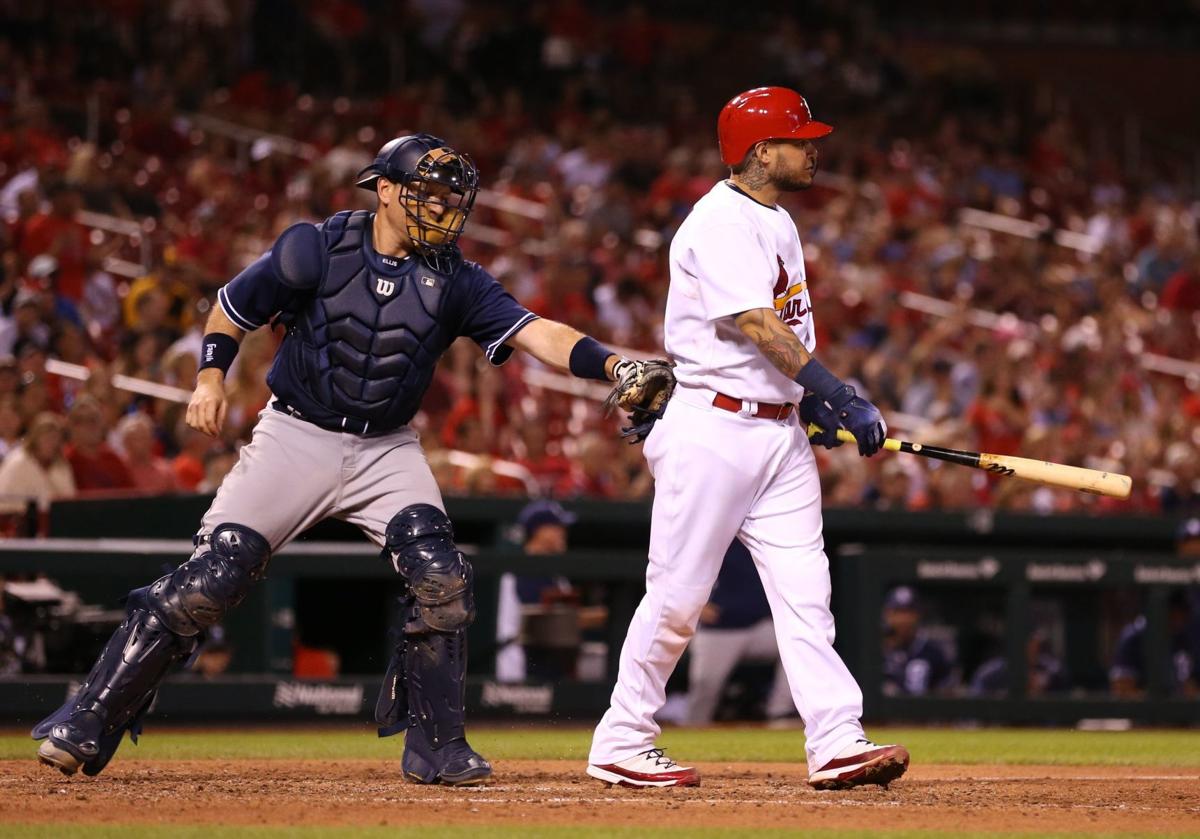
(859, 764)
(72, 742)
(651, 768)
(455, 764)
(59, 757)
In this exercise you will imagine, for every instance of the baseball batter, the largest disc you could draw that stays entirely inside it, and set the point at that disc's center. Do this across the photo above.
(731, 458)
(369, 301)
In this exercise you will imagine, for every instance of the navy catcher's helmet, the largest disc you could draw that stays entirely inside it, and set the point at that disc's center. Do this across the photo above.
(438, 191)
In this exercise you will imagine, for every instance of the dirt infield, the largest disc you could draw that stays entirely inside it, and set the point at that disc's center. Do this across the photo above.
(362, 792)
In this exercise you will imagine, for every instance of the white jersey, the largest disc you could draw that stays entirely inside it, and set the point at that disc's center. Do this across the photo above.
(732, 254)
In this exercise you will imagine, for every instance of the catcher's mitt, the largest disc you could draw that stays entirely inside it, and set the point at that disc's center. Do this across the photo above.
(642, 389)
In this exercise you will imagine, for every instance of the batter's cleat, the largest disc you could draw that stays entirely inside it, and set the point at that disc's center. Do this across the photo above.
(859, 764)
(651, 768)
(455, 764)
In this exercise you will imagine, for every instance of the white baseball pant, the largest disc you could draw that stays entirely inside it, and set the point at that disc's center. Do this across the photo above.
(719, 475)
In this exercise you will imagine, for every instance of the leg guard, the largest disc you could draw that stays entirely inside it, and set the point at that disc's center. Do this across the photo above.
(162, 628)
(87, 730)
(198, 593)
(420, 546)
(424, 695)
(435, 745)
(391, 709)
(424, 690)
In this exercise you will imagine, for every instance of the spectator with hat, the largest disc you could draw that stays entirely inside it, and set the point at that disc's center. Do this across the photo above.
(913, 663)
(542, 531)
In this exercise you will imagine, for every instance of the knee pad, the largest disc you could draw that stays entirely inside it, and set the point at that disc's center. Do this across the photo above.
(197, 594)
(420, 546)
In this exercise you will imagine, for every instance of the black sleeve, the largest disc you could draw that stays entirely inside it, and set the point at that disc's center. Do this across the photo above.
(489, 314)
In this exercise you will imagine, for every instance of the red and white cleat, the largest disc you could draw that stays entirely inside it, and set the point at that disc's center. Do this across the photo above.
(651, 768)
(862, 763)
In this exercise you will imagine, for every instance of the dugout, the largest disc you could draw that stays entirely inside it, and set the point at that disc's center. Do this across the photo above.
(990, 579)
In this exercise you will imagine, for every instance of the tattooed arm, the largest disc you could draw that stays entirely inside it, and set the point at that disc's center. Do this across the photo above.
(845, 407)
(775, 340)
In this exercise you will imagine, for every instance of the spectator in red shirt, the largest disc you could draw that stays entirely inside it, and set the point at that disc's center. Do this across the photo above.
(1182, 291)
(95, 465)
(60, 235)
(549, 469)
(596, 469)
(150, 472)
(189, 464)
(997, 419)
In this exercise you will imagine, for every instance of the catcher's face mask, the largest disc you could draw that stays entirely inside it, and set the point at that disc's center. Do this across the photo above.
(437, 199)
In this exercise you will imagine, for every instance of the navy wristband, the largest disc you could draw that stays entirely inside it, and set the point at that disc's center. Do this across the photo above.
(218, 350)
(814, 378)
(588, 358)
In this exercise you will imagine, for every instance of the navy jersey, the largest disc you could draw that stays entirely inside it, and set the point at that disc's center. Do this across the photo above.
(380, 356)
(1129, 661)
(919, 668)
(1046, 675)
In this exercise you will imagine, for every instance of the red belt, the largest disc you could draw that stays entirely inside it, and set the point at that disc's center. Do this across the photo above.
(762, 410)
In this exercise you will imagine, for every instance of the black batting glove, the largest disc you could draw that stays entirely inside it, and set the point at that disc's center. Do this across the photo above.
(813, 410)
(857, 415)
(862, 419)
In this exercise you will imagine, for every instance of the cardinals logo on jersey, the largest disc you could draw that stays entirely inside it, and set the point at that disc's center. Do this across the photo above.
(788, 300)
(781, 284)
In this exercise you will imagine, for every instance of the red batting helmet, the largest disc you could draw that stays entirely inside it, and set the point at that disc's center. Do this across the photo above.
(765, 113)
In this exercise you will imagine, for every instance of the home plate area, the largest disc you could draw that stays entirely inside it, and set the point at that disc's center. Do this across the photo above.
(950, 798)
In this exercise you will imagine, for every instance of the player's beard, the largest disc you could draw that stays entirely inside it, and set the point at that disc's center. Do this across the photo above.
(795, 180)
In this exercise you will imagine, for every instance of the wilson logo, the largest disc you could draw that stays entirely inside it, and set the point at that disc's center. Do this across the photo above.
(384, 287)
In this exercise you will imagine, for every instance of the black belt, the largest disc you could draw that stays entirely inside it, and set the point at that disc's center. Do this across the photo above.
(349, 425)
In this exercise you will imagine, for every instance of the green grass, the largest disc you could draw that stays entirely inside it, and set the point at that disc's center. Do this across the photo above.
(136, 831)
(964, 746)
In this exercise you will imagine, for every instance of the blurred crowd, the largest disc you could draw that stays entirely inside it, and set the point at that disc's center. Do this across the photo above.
(149, 151)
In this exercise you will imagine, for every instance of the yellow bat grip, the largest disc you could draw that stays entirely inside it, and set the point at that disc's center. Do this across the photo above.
(846, 437)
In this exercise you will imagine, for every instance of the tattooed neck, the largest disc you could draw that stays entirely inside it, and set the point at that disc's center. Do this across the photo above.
(753, 176)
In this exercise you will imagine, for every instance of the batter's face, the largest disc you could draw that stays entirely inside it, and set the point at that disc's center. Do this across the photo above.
(791, 165)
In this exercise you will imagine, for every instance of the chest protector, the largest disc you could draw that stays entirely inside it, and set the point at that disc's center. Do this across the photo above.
(364, 345)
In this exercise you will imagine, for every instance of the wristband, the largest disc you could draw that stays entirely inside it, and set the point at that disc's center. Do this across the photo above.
(588, 358)
(814, 378)
(218, 350)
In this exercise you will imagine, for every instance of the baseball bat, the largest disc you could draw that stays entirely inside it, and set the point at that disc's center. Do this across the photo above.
(1112, 484)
